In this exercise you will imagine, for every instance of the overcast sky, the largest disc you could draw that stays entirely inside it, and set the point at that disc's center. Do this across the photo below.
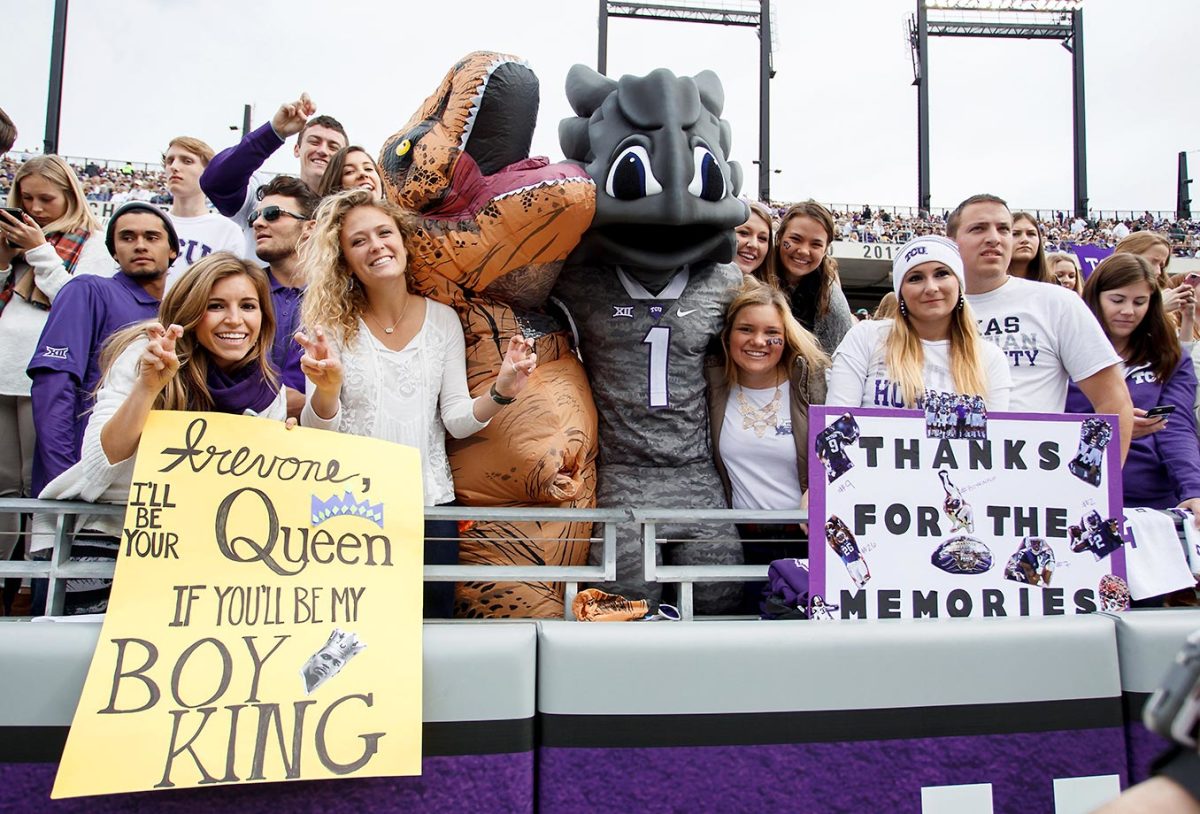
(843, 109)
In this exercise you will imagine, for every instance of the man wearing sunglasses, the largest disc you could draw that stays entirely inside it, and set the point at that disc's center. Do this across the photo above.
(229, 180)
(282, 215)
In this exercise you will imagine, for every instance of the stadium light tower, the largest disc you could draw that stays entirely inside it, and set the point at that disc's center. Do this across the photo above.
(753, 13)
(1183, 195)
(58, 49)
(999, 19)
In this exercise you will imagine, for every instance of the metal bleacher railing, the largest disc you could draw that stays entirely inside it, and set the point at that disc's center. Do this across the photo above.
(604, 522)
(57, 569)
(685, 576)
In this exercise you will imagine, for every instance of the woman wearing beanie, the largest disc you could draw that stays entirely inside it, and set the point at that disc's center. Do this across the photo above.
(931, 345)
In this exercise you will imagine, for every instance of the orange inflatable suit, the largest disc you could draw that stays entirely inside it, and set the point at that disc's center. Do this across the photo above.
(495, 228)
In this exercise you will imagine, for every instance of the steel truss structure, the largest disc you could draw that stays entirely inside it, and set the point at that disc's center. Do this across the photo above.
(1000, 19)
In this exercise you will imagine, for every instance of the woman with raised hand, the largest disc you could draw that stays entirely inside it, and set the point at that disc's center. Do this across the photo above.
(759, 392)
(756, 243)
(210, 351)
(386, 363)
(931, 345)
(1157, 249)
(807, 273)
(1029, 253)
(1163, 466)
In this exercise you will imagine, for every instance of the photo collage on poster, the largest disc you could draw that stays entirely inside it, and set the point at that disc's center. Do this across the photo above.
(950, 512)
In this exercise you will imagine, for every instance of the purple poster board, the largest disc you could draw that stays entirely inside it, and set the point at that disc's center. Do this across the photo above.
(1089, 256)
(1013, 514)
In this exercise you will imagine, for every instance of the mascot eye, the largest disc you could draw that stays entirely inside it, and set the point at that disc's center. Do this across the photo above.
(403, 147)
(708, 182)
(631, 177)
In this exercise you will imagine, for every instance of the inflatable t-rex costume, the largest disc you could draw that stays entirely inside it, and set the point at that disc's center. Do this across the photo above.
(495, 227)
(648, 289)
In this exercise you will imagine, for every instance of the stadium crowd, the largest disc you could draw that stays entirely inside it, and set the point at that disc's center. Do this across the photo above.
(296, 281)
(103, 182)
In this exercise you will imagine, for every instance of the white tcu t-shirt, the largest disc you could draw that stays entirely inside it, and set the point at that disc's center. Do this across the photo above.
(1048, 336)
(859, 376)
(201, 236)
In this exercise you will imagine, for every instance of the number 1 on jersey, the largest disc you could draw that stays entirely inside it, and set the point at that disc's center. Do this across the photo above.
(659, 340)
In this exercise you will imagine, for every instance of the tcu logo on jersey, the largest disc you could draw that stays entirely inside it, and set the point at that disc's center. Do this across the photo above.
(913, 252)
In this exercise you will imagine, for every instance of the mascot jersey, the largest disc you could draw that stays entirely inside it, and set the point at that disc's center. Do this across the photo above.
(644, 355)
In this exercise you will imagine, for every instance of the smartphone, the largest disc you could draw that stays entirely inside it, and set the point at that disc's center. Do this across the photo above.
(1160, 410)
(1192, 279)
(16, 213)
(1173, 710)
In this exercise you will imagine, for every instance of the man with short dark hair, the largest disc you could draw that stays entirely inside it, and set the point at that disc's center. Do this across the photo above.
(66, 366)
(1048, 335)
(282, 217)
(229, 179)
(8, 132)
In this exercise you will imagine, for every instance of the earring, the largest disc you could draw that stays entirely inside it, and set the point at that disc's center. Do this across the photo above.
(903, 308)
(961, 301)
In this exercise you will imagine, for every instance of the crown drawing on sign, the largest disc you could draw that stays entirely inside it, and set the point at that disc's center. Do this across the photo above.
(345, 645)
(323, 510)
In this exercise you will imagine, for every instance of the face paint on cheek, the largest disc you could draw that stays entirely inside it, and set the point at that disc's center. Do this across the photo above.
(775, 341)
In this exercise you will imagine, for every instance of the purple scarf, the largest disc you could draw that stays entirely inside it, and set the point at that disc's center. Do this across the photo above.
(241, 389)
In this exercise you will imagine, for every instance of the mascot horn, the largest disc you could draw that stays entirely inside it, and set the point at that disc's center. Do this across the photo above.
(647, 290)
(495, 228)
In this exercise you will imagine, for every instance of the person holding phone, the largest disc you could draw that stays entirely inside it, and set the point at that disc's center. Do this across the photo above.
(1163, 467)
(47, 234)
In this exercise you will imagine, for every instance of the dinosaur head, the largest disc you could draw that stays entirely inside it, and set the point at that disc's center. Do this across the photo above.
(657, 148)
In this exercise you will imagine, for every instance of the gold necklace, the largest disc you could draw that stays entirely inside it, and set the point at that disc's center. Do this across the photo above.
(388, 331)
(759, 418)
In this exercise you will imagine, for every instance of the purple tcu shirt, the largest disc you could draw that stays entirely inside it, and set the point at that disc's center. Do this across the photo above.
(1161, 469)
(66, 366)
(286, 351)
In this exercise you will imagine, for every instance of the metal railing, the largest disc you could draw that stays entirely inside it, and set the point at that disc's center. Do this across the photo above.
(57, 570)
(685, 576)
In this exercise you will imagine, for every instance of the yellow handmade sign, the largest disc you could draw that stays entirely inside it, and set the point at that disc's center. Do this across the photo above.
(265, 620)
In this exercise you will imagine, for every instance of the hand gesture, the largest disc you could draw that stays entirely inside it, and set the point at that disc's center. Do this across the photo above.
(320, 362)
(1192, 505)
(1182, 296)
(18, 234)
(519, 363)
(1143, 426)
(292, 116)
(159, 364)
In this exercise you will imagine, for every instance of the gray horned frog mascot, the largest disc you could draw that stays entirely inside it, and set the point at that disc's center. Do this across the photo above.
(647, 290)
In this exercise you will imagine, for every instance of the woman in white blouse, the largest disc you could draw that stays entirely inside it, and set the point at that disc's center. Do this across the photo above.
(386, 363)
(931, 345)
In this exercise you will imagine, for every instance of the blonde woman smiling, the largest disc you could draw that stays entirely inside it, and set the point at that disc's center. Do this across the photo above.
(932, 343)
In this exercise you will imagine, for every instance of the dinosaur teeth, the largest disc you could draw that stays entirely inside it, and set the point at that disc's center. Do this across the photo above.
(547, 183)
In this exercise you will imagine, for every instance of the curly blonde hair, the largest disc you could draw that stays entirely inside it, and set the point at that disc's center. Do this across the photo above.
(335, 299)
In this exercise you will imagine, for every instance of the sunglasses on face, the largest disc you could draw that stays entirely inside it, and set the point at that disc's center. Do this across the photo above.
(271, 214)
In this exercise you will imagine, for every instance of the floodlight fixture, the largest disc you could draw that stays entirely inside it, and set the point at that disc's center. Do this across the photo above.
(1006, 5)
